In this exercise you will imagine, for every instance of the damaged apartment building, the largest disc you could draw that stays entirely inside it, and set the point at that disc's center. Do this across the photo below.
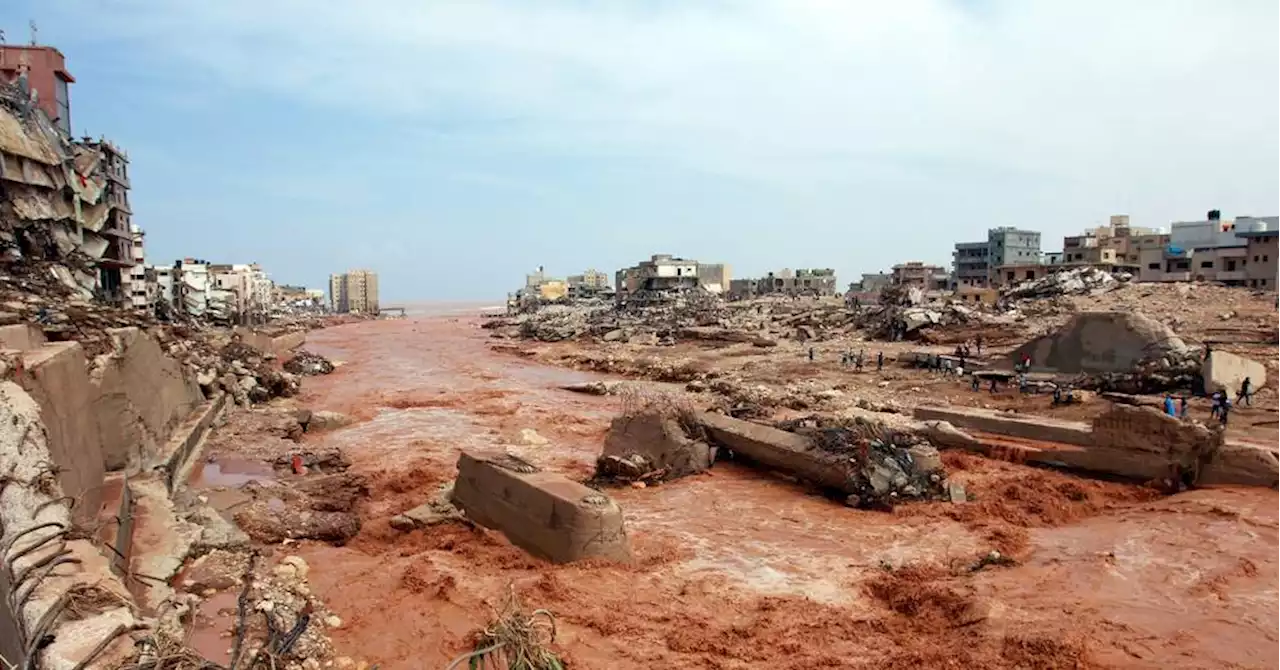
(815, 282)
(664, 276)
(65, 201)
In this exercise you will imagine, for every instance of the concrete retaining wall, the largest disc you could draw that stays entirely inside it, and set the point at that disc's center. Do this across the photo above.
(544, 513)
(278, 345)
(54, 375)
(24, 449)
(141, 395)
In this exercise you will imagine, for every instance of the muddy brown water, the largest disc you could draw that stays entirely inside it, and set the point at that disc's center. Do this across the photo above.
(738, 568)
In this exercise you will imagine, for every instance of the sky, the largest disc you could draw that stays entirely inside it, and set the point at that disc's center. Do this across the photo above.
(453, 146)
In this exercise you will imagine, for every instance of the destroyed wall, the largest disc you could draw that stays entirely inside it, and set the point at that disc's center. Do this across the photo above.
(1187, 445)
(1101, 342)
(140, 395)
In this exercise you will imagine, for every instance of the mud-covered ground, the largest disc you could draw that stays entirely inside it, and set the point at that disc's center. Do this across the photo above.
(737, 568)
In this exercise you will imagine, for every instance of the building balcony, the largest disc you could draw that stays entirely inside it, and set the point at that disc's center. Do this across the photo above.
(1181, 275)
(1231, 275)
(1233, 252)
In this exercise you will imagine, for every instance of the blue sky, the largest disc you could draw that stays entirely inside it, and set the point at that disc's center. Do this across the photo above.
(453, 146)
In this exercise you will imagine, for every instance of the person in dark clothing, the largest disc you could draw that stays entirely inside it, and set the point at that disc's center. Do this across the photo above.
(1207, 350)
(811, 353)
(1182, 407)
(879, 361)
(1245, 391)
(1057, 394)
(1215, 406)
(994, 385)
(974, 383)
(978, 341)
(857, 362)
(1225, 409)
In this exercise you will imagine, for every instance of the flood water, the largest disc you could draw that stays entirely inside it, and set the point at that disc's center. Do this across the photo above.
(1181, 582)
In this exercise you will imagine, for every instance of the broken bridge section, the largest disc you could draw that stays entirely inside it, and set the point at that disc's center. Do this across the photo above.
(544, 513)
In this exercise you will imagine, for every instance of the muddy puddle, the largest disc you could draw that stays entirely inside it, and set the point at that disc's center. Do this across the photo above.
(736, 568)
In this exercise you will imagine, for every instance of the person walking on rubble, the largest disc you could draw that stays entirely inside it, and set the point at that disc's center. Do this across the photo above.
(1245, 392)
(879, 361)
(1168, 405)
(1215, 406)
(857, 362)
(1225, 409)
(978, 341)
(973, 383)
(1182, 407)
(811, 354)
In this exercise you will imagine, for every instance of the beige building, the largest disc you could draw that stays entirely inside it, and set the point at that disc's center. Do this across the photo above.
(354, 292)
(917, 273)
(1261, 266)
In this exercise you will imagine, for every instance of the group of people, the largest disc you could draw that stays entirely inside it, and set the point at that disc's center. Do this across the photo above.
(856, 360)
(1220, 403)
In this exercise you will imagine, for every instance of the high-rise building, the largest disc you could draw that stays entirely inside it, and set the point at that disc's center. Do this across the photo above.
(356, 292)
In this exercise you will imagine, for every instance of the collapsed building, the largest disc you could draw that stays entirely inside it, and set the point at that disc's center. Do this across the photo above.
(815, 282)
(664, 276)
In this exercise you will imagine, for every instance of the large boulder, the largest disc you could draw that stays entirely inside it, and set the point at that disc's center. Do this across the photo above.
(1223, 371)
(1094, 342)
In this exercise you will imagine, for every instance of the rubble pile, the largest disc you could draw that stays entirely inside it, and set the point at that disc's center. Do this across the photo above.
(308, 364)
(1079, 281)
(885, 466)
(219, 361)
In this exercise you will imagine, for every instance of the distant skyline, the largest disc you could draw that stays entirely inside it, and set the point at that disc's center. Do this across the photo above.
(453, 147)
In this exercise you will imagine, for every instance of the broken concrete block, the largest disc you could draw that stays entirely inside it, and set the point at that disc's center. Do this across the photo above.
(323, 420)
(544, 513)
(651, 443)
(21, 336)
(1224, 371)
(1101, 342)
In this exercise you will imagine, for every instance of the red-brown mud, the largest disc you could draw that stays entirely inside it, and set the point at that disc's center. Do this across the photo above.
(737, 568)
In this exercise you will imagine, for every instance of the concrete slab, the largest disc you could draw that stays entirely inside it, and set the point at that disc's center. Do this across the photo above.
(55, 377)
(777, 449)
(1003, 423)
(277, 345)
(544, 513)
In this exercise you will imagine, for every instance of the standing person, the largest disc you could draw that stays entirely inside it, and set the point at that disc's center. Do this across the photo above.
(879, 361)
(994, 385)
(1168, 405)
(978, 341)
(1245, 391)
(1215, 404)
(857, 362)
(1182, 409)
(810, 354)
(1225, 409)
(974, 383)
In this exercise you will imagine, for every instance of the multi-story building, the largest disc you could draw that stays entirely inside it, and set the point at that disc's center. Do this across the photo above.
(919, 274)
(111, 217)
(1262, 256)
(141, 292)
(338, 293)
(715, 277)
(590, 282)
(662, 272)
(871, 282)
(161, 277)
(193, 292)
(975, 263)
(44, 71)
(355, 292)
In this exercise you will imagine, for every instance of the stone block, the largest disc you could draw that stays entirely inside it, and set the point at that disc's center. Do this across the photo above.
(1015, 425)
(55, 376)
(1101, 342)
(21, 336)
(543, 513)
(1225, 371)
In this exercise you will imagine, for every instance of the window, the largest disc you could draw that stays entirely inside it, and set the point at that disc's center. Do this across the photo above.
(1009, 276)
(1153, 266)
(1206, 264)
(1255, 258)
(1031, 274)
(1264, 258)
(1264, 282)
